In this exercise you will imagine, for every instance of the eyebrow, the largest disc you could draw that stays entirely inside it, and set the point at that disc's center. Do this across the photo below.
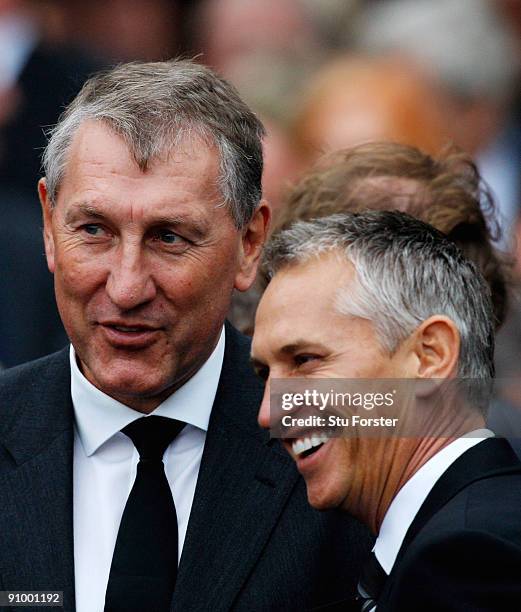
(294, 347)
(83, 209)
(198, 226)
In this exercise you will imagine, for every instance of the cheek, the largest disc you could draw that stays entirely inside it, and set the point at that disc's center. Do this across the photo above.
(77, 278)
(178, 286)
(202, 286)
(76, 281)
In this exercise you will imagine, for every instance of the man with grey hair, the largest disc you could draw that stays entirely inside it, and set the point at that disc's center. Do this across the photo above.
(136, 449)
(467, 49)
(383, 297)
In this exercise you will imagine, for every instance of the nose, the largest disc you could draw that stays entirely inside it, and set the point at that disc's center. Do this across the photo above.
(263, 417)
(129, 283)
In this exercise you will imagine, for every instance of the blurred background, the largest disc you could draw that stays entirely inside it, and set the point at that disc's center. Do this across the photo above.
(322, 75)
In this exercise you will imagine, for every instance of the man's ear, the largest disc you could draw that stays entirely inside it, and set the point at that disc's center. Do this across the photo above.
(436, 345)
(253, 238)
(47, 212)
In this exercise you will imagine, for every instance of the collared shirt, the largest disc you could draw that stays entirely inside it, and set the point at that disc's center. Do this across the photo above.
(410, 497)
(105, 463)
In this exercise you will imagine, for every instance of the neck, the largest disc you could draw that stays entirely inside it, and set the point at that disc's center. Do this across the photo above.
(382, 466)
(393, 464)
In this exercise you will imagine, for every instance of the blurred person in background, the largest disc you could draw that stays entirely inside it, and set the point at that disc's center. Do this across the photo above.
(349, 100)
(445, 191)
(271, 85)
(29, 322)
(508, 345)
(124, 30)
(468, 50)
(268, 50)
(230, 31)
(38, 77)
(472, 49)
(355, 99)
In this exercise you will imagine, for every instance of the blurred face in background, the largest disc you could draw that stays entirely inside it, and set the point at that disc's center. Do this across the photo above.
(230, 30)
(123, 30)
(354, 100)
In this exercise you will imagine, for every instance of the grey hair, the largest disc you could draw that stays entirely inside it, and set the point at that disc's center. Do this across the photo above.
(152, 106)
(406, 271)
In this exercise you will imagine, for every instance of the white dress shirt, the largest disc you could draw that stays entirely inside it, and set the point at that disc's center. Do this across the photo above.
(105, 463)
(411, 496)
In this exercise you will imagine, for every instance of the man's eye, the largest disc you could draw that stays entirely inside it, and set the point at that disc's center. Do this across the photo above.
(168, 237)
(304, 358)
(93, 229)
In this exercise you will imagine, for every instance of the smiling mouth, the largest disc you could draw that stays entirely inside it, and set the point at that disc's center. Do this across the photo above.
(304, 447)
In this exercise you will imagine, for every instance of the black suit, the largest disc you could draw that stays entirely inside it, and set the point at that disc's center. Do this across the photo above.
(253, 543)
(462, 552)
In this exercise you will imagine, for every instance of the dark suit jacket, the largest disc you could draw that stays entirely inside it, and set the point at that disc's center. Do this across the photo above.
(462, 552)
(253, 543)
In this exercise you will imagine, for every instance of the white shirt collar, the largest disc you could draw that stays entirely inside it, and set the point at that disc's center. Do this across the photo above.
(411, 496)
(99, 416)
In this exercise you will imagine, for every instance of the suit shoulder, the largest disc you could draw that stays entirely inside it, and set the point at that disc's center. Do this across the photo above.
(237, 360)
(473, 516)
(236, 341)
(473, 519)
(483, 512)
(26, 371)
(457, 569)
(30, 377)
(471, 536)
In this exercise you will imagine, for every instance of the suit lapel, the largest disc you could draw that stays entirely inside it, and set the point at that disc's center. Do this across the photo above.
(36, 493)
(486, 459)
(243, 485)
(489, 458)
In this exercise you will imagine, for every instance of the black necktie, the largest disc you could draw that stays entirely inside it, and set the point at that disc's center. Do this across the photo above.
(144, 565)
(371, 583)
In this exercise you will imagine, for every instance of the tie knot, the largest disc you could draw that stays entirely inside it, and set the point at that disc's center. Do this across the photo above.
(152, 435)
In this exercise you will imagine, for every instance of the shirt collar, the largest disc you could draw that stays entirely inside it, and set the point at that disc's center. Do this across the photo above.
(411, 496)
(98, 416)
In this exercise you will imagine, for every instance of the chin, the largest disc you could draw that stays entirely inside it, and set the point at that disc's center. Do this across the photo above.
(131, 383)
(126, 391)
(322, 499)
